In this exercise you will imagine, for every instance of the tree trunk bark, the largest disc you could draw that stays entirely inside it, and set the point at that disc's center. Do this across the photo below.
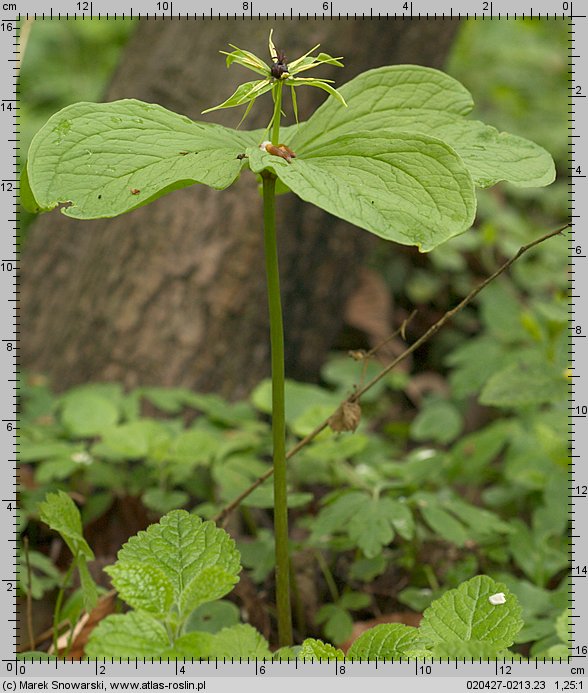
(174, 293)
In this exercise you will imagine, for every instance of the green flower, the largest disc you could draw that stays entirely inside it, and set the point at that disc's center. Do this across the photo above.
(279, 71)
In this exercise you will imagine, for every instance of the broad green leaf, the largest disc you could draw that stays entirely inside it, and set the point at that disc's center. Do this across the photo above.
(212, 617)
(336, 621)
(473, 363)
(386, 641)
(438, 420)
(32, 656)
(210, 584)
(299, 398)
(345, 374)
(35, 452)
(465, 614)
(85, 414)
(183, 549)
(415, 99)
(61, 514)
(169, 399)
(195, 446)
(190, 645)
(89, 587)
(258, 555)
(563, 626)
(137, 439)
(57, 469)
(236, 641)
(443, 523)
(482, 522)
(458, 649)
(539, 558)
(239, 641)
(135, 634)
(335, 516)
(27, 199)
(162, 501)
(523, 384)
(316, 650)
(44, 575)
(101, 160)
(408, 188)
(143, 586)
(370, 528)
(367, 569)
(369, 522)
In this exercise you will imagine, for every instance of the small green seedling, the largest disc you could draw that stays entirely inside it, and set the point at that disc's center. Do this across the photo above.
(391, 151)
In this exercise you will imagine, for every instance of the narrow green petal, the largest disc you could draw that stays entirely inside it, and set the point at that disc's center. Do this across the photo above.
(245, 92)
(321, 59)
(272, 49)
(246, 59)
(320, 84)
(294, 63)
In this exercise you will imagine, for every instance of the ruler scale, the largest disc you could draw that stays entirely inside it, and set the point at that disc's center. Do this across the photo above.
(566, 674)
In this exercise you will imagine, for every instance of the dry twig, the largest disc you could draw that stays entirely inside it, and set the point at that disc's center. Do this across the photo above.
(355, 396)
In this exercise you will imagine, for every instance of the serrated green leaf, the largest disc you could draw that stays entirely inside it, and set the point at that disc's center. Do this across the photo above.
(386, 641)
(210, 584)
(31, 656)
(416, 99)
(61, 514)
(183, 548)
(143, 586)
(85, 414)
(408, 188)
(239, 641)
(135, 634)
(316, 650)
(190, 645)
(102, 160)
(458, 649)
(465, 614)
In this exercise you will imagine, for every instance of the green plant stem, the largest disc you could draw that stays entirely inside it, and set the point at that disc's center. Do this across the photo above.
(58, 604)
(277, 113)
(328, 575)
(278, 412)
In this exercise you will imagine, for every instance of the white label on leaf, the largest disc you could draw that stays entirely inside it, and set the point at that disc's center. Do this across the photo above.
(497, 598)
